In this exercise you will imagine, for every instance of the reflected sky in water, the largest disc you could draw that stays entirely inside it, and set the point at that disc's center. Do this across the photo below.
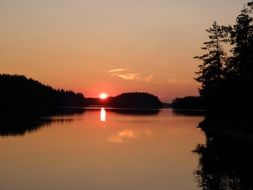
(103, 149)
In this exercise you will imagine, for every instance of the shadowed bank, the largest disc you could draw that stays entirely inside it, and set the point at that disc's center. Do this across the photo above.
(224, 164)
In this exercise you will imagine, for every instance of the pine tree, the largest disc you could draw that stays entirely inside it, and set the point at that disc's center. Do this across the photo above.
(211, 71)
(241, 38)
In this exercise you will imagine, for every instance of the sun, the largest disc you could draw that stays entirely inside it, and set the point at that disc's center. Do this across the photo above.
(103, 96)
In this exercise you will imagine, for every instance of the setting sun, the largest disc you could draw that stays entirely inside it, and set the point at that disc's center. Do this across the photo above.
(103, 96)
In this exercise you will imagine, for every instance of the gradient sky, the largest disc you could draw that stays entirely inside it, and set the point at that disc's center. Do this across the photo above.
(112, 46)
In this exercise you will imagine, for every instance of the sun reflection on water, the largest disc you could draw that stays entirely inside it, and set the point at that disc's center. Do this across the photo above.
(102, 114)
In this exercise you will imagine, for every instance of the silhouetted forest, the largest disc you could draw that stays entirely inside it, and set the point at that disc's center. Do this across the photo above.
(226, 74)
(128, 100)
(32, 97)
(136, 100)
(189, 102)
(19, 92)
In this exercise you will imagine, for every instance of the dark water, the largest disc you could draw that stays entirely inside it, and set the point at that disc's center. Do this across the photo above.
(108, 149)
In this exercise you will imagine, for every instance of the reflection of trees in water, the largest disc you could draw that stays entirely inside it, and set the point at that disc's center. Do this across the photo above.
(224, 165)
(135, 111)
(185, 112)
(15, 128)
(20, 123)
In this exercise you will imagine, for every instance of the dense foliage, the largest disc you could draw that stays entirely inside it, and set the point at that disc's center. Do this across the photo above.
(226, 77)
(136, 100)
(189, 102)
(19, 91)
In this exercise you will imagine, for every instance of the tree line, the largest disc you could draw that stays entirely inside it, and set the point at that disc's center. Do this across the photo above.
(128, 100)
(136, 100)
(17, 91)
(226, 69)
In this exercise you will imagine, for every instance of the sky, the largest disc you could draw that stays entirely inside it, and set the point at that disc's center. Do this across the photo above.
(112, 46)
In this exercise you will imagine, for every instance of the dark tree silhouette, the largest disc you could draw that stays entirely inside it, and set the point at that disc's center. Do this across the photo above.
(189, 102)
(136, 100)
(211, 71)
(240, 64)
(239, 67)
(19, 92)
(227, 82)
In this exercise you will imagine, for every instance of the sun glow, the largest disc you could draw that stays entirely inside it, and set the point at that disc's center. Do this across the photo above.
(103, 96)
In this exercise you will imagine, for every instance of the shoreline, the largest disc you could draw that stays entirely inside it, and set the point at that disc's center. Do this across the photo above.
(226, 133)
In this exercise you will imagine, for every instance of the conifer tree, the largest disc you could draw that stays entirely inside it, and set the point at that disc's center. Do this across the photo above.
(211, 71)
(241, 63)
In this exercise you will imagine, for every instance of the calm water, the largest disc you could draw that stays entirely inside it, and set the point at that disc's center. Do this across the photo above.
(103, 150)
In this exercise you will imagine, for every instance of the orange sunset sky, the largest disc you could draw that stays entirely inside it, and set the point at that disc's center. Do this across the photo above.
(113, 46)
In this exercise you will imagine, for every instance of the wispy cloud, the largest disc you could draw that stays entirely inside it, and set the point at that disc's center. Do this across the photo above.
(124, 73)
(129, 76)
(117, 70)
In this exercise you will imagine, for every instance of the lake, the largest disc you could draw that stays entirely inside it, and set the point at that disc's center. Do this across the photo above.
(102, 149)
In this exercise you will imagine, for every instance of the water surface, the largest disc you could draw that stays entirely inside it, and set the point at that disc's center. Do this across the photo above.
(103, 149)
